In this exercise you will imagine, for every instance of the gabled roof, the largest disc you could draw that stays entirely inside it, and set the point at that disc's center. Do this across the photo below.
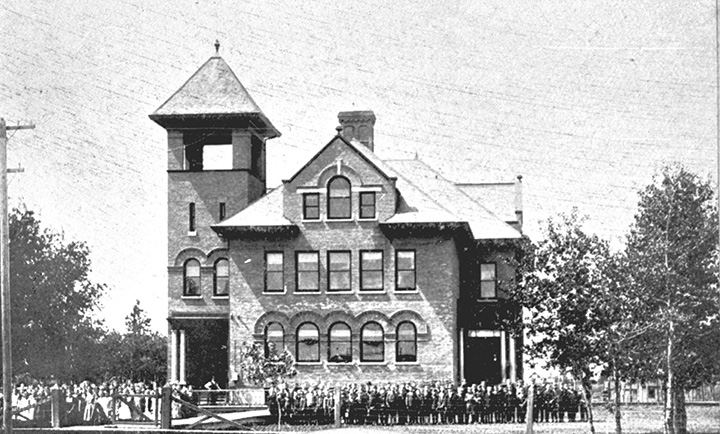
(213, 91)
(361, 149)
(425, 197)
(432, 198)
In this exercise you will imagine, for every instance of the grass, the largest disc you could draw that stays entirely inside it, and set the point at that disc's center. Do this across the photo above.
(636, 420)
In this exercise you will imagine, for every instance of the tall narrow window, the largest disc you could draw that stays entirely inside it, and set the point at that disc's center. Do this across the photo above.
(367, 205)
(274, 339)
(371, 270)
(222, 211)
(274, 267)
(339, 343)
(191, 217)
(311, 206)
(339, 271)
(191, 278)
(339, 204)
(307, 266)
(405, 270)
(488, 280)
(372, 343)
(308, 343)
(221, 278)
(406, 347)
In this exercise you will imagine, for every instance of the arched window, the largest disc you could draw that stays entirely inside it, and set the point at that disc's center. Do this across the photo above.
(339, 204)
(372, 343)
(308, 343)
(274, 339)
(339, 343)
(221, 278)
(406, 347)
(191, 277)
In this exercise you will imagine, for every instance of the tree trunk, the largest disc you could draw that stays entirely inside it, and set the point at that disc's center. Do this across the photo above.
(587, 395)
(669, 412)
(616, 407)
(680, 419)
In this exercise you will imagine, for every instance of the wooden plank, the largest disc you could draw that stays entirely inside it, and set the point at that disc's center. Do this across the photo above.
(207, 413)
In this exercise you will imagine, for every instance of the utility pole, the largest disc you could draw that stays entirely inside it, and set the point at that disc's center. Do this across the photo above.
(5, 277)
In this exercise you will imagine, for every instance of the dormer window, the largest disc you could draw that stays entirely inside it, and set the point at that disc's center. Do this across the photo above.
(367, 205)
(339, 202)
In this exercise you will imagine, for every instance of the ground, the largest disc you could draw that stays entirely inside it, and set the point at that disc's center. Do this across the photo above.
(636, 420)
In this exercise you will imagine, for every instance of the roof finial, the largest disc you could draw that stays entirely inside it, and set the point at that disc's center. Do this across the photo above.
(217, 47)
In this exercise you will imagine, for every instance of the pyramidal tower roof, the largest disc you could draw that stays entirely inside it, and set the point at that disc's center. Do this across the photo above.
(213, 97)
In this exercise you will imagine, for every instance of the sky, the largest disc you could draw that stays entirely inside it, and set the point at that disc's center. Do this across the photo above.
(586, 99)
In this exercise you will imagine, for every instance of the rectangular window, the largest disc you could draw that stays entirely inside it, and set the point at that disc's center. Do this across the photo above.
(488, 280)
(339, 271)
(367, 205)
(405, 270)
(274, 267)
(222, 211)
(371, 270)
(307, 265)
(191, 217)
(311, 206)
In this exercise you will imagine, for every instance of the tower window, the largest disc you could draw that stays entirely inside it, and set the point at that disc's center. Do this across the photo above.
(367, 205)
(488, 280)
(222, 211)
(191, 278)
(311, 206)
(339, 203)
(191, 217)
(221, 276)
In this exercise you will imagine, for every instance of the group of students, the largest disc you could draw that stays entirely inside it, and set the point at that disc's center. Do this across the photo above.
(425, 403)
(83, 403)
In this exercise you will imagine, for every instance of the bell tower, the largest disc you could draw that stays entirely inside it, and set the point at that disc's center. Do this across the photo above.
(216, 167)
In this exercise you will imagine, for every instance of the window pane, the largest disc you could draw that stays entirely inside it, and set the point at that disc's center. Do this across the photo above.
(406, 352)
(372, 280)
(339, 208)
(373, 347)
(406, 280)
(307, 261)
(406, 331)
(405, 260)
(367, 199)
(312, 199)
(222, 286)
(487, 271)
(274, 339)
(311, 206)
(340, 280)
(192, 268)
(487, 289)
(192, 286)
(339, 187)
(372, 260)
(308, 281)
(339, 261)
(275, 281)
(274, 261)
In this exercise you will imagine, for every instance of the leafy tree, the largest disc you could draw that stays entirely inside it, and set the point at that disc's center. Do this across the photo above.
(52, 301)
(139, 354)
(672, 257)
(569, 286)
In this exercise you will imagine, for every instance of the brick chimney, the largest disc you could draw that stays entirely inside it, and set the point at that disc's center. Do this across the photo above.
(358, 125)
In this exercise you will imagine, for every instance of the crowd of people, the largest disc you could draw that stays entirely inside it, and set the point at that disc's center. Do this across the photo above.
(84, 402)
(426, 403)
